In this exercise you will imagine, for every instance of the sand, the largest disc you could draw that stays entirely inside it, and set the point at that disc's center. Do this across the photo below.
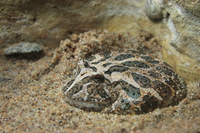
(31, 97)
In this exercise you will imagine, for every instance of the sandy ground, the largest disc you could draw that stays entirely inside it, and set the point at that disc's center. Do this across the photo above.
(31, 100)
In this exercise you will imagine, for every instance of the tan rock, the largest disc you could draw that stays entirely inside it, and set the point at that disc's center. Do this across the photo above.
(181, 41)
(48, 23)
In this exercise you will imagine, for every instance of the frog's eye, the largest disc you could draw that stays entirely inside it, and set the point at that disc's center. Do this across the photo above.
(85, 63)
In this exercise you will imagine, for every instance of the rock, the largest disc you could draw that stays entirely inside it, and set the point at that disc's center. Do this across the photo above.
(153, 9)
(192, 6)
(178, 33)
(46, 22)
(24, 49)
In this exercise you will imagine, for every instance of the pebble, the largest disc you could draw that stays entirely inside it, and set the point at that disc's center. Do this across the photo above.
(153, 9)
(23, 48)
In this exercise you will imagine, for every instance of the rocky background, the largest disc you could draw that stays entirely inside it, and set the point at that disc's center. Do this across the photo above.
(175, 24)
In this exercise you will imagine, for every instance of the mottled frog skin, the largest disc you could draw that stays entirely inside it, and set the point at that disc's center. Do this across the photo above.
(124, 83)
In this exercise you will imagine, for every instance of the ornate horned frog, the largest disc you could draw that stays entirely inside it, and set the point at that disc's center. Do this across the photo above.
(124, 83)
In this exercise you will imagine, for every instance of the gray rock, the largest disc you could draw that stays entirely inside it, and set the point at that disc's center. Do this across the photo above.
(23, 48)
(153, 9)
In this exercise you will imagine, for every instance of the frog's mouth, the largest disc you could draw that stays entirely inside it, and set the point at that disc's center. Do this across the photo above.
(92, 93)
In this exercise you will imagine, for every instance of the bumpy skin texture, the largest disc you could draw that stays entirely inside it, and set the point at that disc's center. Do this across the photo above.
(124, 83)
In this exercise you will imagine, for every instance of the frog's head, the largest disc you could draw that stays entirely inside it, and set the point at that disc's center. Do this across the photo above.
(90, 89)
